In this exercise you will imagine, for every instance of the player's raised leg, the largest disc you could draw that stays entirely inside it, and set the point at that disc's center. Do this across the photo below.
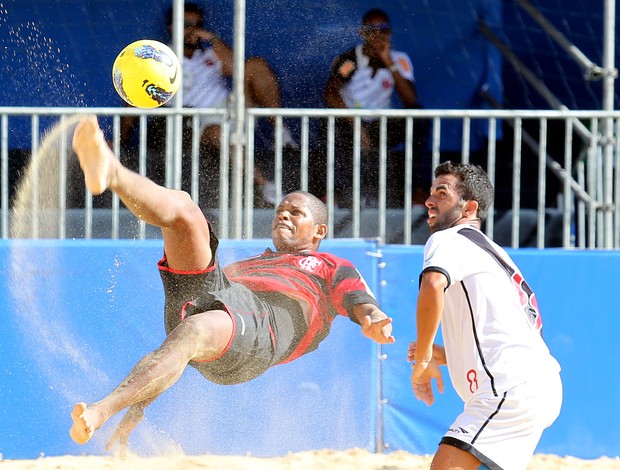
(184, 227)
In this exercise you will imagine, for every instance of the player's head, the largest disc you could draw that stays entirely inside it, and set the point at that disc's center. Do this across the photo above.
(375, 26)
(299, 223)
(460, 192)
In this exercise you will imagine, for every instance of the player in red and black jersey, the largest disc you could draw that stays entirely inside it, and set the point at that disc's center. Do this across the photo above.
(232, 323)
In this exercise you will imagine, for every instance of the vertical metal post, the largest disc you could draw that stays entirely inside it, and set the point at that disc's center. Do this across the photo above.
(542, 184)
(4, 174)
(491, 169)
(238, 118)
(609, 31)
(516, 183)
(178, 28)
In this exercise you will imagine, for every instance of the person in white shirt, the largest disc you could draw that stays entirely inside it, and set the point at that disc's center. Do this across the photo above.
(492, 332)
(207, 64)
(366, 77)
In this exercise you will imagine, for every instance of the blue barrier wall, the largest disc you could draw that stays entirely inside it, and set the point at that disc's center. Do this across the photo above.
(77, 315)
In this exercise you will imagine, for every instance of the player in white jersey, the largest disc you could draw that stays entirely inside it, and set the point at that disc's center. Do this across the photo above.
(492, 332)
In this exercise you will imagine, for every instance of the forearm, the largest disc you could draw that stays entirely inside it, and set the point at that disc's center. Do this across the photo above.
(360, 311)
(225, 54)
(428, 316)
(332, 96)
(222, 50)
(406, 90)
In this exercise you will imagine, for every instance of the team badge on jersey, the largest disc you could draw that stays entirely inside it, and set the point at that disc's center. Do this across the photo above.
(310, 263)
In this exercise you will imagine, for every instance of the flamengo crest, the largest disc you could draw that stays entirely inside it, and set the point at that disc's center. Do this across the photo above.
(309, 263)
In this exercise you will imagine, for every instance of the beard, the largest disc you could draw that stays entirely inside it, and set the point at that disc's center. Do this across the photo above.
(447, 220)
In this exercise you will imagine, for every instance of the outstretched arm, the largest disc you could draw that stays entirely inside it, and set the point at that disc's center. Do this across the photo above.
(376, 325)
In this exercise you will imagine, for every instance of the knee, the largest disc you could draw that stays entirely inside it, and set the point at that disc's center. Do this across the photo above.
(185, 212)
(208, 333)
(210, 138)
(257, 67)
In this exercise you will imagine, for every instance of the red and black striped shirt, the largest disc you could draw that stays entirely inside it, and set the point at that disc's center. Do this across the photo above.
(327, 285)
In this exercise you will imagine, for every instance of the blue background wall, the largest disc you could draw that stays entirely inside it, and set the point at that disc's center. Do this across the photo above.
(77, 315)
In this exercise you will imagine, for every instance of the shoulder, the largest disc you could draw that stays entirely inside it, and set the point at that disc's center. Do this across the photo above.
(347, 55)
(400, 55)
(345, 64)
(441, 243)
(404, 62)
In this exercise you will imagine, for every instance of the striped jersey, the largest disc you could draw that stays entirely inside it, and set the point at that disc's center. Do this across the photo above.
(491, 324)
(324, 284)
(203, 83)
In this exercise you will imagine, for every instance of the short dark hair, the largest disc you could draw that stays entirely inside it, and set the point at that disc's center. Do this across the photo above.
(474, 184)
(188, 7)
(317, 207)
(375, 13)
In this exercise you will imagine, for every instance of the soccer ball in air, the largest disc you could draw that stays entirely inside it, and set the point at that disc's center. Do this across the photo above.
(146, 74)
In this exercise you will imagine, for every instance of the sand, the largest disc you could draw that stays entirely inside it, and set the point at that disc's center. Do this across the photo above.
(354, 459)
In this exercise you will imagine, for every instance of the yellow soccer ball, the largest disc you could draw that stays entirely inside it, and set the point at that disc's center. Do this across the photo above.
(146, 74)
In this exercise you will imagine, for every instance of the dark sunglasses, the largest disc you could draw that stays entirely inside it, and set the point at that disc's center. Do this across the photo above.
(382, 27)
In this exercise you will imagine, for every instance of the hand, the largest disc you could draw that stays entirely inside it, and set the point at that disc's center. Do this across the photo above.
(421, 380)
(196, 34)
(378, 330)
(384, 52)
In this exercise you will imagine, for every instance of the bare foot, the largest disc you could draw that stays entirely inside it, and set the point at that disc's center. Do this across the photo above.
(95, 156)
(82, 429)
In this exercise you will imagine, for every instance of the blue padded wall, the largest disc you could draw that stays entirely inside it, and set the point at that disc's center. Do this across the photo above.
(78, 314)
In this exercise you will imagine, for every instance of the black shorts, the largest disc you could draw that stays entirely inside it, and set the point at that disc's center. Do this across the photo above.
(267, 326)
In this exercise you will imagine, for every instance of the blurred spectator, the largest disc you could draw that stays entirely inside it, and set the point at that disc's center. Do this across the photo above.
(365, 77)
(207, 65)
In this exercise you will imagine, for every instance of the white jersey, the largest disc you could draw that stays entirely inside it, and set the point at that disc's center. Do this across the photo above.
(365, 90)
(490, 323)
(203, 83)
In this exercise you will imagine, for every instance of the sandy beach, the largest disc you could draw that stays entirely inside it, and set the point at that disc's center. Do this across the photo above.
(353, 459)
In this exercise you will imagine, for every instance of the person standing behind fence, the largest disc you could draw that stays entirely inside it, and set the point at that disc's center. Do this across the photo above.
(365, 77)
(497, 359)
(207, 64)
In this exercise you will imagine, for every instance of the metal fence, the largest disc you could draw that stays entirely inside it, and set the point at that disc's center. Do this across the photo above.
(555, 172)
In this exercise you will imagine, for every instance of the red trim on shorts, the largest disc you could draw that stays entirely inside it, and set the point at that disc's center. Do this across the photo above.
(232, 337)
(162, 266)
(183, 316)
(274, 340)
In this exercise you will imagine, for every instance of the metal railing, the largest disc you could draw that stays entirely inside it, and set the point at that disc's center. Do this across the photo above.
(559, 184)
